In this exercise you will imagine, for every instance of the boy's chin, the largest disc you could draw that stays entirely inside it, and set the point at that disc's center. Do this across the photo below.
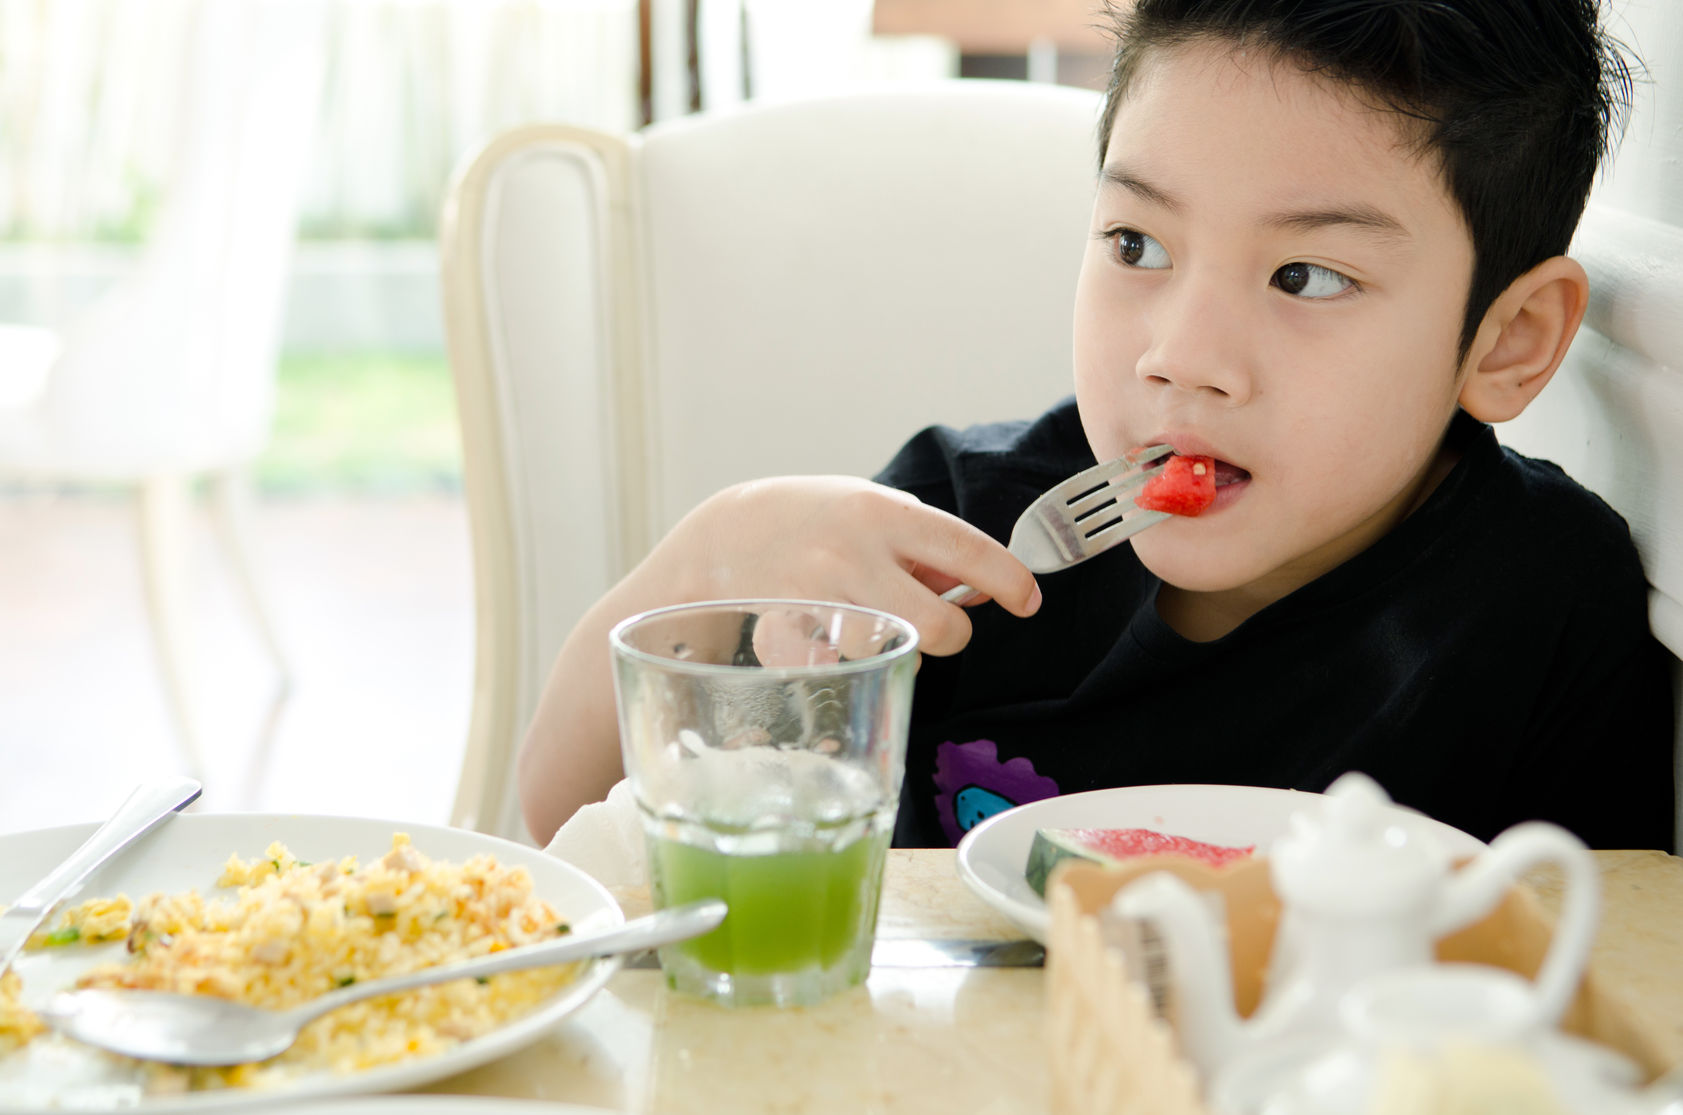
(1189, 565)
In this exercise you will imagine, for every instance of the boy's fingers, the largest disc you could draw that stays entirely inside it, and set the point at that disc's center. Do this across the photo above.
(941, 630)
(962, 553)
(798, 637)
(789, 637)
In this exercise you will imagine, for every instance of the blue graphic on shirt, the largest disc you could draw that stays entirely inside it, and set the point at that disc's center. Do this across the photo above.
(972, 785)
(973, 805)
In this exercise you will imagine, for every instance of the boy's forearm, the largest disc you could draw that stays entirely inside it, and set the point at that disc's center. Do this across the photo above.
(570, 757)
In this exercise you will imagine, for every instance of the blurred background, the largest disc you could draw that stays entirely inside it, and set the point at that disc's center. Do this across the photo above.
(231, 531)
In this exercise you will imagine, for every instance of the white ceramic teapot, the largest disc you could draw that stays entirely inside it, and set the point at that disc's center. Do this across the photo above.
(1360, 894)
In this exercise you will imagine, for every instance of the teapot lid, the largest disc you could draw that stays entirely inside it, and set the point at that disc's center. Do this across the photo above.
(1353, 855)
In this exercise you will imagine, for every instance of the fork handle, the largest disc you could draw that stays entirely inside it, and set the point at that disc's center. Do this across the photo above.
(961, 595)
(141, 811)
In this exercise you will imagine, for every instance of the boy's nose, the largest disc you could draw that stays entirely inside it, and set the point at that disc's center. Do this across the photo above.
(1197, 343)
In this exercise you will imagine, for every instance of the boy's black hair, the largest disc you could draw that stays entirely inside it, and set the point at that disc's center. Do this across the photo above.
(1518, 99)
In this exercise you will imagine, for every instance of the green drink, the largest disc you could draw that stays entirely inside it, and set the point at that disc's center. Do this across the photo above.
(764, 741)
(800, 914)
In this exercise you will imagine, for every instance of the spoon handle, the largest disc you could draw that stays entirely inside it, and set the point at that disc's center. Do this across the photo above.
(660, 928)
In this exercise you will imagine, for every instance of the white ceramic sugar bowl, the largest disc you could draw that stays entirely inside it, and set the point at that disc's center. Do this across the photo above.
(1435, 1040)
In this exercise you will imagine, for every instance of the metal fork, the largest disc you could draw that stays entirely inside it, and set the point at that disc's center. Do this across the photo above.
(1082, 517)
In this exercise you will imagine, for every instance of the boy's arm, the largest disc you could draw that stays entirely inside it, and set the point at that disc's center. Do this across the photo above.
(806, 537)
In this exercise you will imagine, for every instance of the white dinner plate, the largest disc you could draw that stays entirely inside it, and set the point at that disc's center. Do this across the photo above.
(993, 856)
(187, 853)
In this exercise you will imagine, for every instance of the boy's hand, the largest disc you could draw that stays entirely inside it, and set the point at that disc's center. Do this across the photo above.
(842, 539)
(804, 537)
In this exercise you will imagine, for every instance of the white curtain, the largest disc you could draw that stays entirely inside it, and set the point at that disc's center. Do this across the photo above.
(87, 106)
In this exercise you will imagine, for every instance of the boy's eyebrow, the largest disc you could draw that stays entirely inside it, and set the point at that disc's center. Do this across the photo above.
(1365, 217)
(1114, 175)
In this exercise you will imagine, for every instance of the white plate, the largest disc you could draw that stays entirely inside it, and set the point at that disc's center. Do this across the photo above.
(993, 856)
(188, 852)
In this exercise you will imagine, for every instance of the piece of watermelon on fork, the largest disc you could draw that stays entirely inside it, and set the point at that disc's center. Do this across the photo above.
(1186, 486)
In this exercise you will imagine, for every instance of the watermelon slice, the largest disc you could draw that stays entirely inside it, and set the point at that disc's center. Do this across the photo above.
(1109, 846)
(1185, 486)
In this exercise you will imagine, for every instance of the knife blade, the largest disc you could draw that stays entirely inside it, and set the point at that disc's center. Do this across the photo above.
(921, 952)
(143, 809)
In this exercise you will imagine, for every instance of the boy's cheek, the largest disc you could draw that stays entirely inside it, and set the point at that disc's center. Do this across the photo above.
(1106, 387)
(1102, 412)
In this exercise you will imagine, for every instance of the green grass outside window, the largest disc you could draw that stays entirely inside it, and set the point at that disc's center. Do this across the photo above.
(378, 423)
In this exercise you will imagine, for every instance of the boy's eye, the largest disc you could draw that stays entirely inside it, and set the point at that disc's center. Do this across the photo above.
(1136, 249)
(1307, 280)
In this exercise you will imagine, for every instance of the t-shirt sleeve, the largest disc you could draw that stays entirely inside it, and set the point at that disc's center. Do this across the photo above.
(988, 473)
(1603, 761)
(1602, 728)
(927, 467)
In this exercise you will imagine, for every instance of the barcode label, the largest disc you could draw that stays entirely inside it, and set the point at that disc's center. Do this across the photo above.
(1145, 951)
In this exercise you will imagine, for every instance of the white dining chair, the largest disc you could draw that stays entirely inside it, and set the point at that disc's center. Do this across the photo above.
(169, 376)
(635, 321)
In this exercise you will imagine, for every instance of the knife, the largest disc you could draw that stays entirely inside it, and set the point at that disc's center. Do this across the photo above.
(151, 803)
(919, 952)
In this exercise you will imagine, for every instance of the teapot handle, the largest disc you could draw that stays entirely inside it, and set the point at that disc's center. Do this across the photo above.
(1476, 889)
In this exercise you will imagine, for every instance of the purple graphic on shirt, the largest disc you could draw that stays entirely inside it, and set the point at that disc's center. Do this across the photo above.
(973, 785)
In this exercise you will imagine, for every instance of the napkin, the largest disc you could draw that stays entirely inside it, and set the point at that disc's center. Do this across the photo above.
(605, 840)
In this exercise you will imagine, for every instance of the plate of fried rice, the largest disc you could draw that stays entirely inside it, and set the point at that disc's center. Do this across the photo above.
(274, 909)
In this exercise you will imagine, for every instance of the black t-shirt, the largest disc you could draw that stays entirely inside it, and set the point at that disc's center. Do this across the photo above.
(1488, 661)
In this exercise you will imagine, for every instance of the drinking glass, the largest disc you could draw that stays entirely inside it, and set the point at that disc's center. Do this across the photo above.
(765, 742)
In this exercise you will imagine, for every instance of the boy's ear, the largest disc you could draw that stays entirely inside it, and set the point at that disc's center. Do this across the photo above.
(1523, 338)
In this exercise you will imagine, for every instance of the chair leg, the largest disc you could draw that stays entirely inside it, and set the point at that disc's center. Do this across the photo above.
(164, 505)
(231, 504)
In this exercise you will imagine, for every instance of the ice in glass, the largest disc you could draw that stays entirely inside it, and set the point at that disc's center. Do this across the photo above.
(765, 743)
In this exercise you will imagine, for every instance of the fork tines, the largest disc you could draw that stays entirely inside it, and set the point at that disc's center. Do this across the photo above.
(1090, 512)
(1082, 516)
(1101, 507)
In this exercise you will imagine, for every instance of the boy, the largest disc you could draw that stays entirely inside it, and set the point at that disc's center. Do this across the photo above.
(1326, 250)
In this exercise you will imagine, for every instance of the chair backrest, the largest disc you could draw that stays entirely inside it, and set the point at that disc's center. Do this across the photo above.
(637, 321)
(1613, 416)
(173, 369)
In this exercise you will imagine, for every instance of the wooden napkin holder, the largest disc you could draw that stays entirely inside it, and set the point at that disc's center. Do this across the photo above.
(1111, 1054)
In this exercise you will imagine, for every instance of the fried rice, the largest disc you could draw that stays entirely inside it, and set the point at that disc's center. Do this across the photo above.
(295, 930)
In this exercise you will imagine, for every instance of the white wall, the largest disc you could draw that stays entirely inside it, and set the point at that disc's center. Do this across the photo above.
(1645, 176)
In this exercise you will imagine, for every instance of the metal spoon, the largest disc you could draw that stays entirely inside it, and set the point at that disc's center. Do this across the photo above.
(205, 1030)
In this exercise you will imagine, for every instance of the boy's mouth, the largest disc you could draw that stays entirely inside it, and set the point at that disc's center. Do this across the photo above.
(1227, 473)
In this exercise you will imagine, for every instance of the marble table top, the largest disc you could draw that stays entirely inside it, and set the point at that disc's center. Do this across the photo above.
(922, 1040)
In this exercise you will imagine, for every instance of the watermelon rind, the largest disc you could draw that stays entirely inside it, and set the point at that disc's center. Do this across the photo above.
(1050, 848)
